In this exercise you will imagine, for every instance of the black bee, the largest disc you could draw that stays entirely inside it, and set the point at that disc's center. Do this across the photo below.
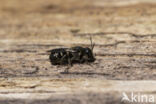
(69, 56)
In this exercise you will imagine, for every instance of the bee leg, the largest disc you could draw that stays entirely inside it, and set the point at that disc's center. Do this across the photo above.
(69, 63)
(62, 59)
(69, 66)
(82, 61)
(69, 59)
(62, 62)
(66, 70)
(86, 59)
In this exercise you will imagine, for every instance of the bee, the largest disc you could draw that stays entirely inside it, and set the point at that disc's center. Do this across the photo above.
(70, 56)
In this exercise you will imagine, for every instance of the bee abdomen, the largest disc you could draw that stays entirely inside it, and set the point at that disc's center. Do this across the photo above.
(57, 55)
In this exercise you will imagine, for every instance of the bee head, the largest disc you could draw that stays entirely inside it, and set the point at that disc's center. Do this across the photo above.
(89, 54)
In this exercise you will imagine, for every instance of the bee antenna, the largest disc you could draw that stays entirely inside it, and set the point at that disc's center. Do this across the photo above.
(92, 44)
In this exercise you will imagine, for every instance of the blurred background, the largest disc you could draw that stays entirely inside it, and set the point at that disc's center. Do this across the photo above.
(58, 19)
(124, 33)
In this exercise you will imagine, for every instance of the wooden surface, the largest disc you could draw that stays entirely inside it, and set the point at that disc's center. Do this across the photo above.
(124, 32)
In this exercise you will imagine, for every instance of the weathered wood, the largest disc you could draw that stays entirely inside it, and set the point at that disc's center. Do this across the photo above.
(124, 32)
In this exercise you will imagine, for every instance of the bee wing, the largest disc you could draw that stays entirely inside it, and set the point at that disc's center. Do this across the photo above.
(70, 50)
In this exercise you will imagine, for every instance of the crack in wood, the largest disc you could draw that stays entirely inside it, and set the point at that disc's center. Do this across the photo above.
(126, 54)
(106, 33)
(17, 51)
